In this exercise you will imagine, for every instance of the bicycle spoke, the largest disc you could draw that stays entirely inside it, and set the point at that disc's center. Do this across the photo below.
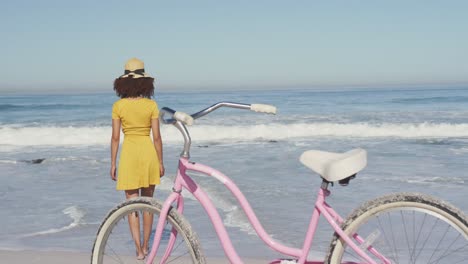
(453, 251)
(178, 257)
(406, 234)
(427, 238)
(114, 256)
(393, 237)
(445, 252)
(438, 244)
(419, 234)
(385, 235)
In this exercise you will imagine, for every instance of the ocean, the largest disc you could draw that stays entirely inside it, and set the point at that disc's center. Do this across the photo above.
(55, 157)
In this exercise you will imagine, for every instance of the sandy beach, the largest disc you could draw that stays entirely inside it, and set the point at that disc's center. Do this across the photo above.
(59, 257)
(51, 257)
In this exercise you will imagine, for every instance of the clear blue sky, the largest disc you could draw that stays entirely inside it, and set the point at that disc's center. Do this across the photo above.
(82, 45)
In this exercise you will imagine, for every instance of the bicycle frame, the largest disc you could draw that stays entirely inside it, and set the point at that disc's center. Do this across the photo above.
(183, 181)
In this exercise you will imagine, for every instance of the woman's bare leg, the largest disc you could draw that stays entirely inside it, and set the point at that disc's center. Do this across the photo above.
(134, 223)
(147, 220)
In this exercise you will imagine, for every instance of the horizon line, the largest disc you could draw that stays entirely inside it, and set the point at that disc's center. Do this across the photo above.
(356, 87)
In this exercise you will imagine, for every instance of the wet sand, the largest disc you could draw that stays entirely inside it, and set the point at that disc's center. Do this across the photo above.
(60, 257)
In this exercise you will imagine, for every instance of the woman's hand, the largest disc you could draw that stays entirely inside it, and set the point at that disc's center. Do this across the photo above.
(161, 170)
(113, 173)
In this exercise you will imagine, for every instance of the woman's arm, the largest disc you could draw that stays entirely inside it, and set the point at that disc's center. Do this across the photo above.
(115, 140)
(157, 141)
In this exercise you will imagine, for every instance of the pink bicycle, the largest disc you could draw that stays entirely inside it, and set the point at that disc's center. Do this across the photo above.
(395, 228)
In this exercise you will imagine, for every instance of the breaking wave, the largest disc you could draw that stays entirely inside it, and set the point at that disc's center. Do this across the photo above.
(63, 136)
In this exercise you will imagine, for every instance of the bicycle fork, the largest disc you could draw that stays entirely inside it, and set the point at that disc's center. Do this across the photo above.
(175, 196)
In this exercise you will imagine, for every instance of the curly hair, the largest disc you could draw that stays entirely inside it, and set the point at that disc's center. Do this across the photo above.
(134, 87)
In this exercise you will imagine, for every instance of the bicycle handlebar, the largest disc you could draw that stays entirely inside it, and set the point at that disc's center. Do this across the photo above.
(188, 119)
(180, 119)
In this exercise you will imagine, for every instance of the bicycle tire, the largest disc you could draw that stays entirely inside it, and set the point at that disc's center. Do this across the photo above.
(415, 244)
(124, 251)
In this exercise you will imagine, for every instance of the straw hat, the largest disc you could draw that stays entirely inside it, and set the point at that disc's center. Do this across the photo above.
(136, 68)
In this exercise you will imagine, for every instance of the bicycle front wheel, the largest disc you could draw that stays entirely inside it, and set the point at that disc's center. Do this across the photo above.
(114, 242)
(405, 228)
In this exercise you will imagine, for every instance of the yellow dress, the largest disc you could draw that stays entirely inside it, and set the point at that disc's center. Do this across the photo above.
(138, 163)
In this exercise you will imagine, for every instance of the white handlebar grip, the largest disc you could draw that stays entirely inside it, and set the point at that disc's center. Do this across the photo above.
(263, 108)
(184, 118)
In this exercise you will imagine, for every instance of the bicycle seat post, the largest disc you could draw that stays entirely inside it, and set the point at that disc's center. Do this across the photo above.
(324, 184)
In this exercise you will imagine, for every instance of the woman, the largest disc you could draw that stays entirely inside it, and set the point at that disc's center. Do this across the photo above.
(141, 160)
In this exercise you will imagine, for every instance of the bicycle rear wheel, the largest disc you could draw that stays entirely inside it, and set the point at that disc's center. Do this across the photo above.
(405, 228)
(114, 242)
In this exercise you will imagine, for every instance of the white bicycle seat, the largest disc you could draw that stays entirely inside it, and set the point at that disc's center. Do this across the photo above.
(335, 166)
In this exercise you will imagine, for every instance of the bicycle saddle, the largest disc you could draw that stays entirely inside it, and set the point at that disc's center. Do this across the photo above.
(335, 166)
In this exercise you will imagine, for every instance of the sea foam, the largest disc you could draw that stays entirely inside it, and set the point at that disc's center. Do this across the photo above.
(74, 212)
(73, 136)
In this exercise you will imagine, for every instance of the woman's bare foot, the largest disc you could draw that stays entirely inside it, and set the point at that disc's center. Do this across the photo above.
(145, 251)
(140, 256)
